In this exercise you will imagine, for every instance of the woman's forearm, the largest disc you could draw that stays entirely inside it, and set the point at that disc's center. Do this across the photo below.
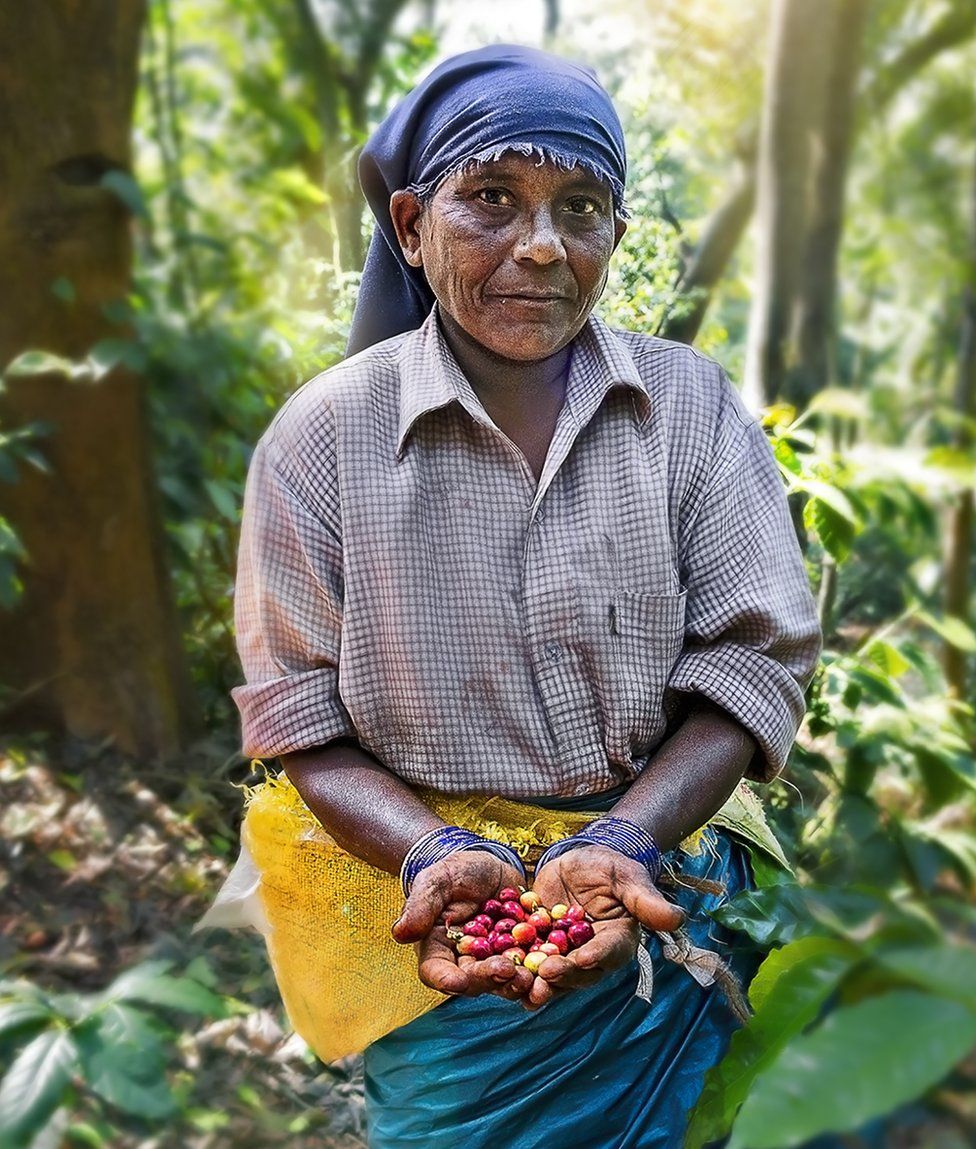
(369, 811)
(690, 776)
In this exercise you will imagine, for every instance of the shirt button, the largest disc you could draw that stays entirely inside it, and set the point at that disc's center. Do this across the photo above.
(553, 651)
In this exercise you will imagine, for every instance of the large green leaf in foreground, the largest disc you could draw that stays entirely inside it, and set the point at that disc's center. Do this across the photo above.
(787, 994)
(863, 1061)
(34, 1085)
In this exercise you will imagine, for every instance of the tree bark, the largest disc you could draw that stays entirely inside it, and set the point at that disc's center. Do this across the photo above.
(814, 321)
(716, 247)
(960, 536)
(93, 648)
(794, 94)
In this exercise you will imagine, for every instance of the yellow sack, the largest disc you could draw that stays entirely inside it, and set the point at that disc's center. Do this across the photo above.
(344, 981)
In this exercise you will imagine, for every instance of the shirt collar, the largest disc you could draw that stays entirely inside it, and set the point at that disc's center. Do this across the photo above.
(430, 377)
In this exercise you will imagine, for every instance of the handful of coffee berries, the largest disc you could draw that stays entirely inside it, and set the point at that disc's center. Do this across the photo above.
(518, 926)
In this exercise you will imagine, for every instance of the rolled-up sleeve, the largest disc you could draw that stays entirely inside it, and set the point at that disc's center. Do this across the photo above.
(752, 637)
(288, 617)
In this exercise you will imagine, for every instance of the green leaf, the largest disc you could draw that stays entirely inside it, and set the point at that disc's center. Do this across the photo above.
(840, 403)
(63, 859)
(862, 1062)
(107, 354)
(123, 1061)
(180, 993)
(834, 498)
(40, 363)
(948, 970)
(35, 1085)
(133, 978)
(787, 457)
(952, 630)
(83, 1133)
(123, 185)
(770, 916)
(223, 499)
(19, 1015)
(887, 658)
(834, 530)
(787, 993)
(150, 984)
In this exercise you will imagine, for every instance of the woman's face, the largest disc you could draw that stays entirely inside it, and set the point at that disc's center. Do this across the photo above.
(515, 251)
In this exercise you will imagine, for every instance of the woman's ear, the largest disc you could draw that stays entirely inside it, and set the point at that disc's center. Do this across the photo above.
(619, 227)
(406, 211)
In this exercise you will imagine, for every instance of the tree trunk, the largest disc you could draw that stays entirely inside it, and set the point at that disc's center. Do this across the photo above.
(93, 647)
(794, 92)
(814, 319)
(960, 536)
(718, 242)
(723, 231)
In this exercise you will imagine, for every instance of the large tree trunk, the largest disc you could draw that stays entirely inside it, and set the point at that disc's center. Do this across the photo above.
(92, 648)
(814, 325)
(961, 535)
(794, 94)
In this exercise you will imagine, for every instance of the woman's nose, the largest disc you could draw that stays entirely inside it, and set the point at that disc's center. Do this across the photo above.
(540, 240)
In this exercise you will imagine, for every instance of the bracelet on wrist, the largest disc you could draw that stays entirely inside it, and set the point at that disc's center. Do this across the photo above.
(618, 834)
(436, 845)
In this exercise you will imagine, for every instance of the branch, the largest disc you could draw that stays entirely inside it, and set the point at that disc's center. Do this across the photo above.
(954, 27)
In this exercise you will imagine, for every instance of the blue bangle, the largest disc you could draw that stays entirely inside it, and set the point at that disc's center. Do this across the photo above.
(618, 834)
(436, 845)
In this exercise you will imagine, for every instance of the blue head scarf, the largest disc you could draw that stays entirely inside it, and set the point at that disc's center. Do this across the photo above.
(475, 106)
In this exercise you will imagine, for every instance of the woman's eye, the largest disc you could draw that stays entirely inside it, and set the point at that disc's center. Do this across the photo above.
(497, 197)
(582, 205)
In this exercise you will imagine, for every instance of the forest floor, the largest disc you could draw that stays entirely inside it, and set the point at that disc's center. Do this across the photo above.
(103, 866)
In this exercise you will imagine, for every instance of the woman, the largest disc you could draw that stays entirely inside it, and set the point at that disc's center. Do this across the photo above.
(512, 551)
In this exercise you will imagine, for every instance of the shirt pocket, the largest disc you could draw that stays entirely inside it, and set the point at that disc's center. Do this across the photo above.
(632, 640)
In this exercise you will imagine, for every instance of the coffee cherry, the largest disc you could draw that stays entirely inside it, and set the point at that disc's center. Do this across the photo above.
(515, 954)
(576, 913)
(524, 933)
(534, 960)
(580, 933)
(508, 895)
(514, 910)
(559, 939)
(563, 924)
(549, 949)
(464, 944)
(481, 949)
(559, 910)
(486, 920)
(502, 943)
(530, 901)
(505, 925)
(493, 909)
(474, 930)
(540, 919)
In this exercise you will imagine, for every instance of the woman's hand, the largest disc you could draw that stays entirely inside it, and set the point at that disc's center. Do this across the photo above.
(618, 895)
(449, 893)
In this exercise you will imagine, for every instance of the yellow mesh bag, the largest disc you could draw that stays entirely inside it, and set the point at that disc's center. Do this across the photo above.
(344, 981)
